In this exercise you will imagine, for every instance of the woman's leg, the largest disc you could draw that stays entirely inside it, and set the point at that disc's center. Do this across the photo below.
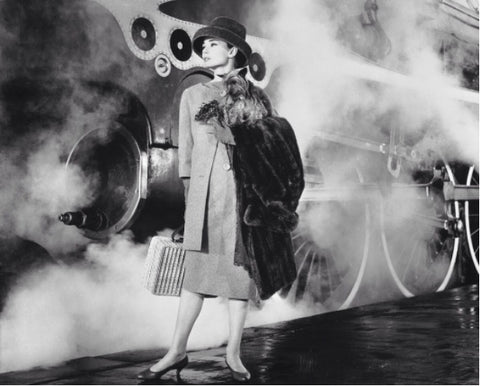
(237, 310)
(190, 306)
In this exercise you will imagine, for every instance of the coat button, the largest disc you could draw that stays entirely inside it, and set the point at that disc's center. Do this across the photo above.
(226, 166)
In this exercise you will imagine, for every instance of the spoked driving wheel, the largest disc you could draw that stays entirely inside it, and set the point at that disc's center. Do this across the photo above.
(331, 248)
(417, 233)
(468, 175)
(471, 219)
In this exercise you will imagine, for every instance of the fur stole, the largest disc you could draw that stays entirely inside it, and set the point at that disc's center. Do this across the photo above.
(269, 175)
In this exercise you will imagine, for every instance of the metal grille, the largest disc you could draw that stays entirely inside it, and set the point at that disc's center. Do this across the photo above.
(164, 269)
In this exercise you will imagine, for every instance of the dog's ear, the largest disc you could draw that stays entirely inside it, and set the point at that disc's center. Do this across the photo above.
(243, 72)
(250, 89)
(233, 73)
(238, 71)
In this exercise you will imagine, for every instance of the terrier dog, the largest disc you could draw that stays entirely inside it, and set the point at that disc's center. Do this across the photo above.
(241, 102)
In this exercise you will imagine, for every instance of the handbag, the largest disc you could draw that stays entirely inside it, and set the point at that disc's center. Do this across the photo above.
(164, 266)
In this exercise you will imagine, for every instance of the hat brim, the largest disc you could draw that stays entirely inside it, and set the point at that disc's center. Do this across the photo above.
(244, 50)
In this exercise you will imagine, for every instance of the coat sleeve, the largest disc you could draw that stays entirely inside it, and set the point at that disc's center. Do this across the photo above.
(185, 138)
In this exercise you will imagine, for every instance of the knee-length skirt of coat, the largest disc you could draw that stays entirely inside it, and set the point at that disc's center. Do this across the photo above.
(211, 271)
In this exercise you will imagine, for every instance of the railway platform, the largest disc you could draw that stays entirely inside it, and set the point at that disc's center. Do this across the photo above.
(428, 339)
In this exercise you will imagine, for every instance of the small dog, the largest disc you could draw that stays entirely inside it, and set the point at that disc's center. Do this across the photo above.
(241, 102)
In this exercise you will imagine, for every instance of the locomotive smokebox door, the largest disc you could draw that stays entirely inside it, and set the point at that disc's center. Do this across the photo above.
(114, 170)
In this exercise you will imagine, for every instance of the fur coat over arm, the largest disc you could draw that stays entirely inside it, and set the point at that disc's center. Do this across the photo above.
(269, 178)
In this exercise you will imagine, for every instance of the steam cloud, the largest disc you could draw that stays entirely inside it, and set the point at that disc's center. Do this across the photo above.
(37, 144)
(325, 91)
(33, 152)
(98, 305)
(330, 98)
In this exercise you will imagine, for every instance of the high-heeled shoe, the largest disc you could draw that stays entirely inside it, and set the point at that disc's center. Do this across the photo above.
(149, 375)
(239, 376)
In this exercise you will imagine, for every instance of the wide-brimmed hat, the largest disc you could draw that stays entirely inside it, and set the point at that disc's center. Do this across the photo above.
(228, 30)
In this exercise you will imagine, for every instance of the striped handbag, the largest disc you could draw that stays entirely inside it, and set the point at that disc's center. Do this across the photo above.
(164, 270)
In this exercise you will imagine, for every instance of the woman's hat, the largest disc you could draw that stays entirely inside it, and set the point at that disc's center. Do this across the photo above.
(228, 30)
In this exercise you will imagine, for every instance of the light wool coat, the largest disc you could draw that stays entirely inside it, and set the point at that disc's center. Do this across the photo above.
(212, 236)
(196, 152)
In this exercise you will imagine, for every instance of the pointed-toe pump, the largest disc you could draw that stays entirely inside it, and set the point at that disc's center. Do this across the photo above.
(239, 376)
(149, 375)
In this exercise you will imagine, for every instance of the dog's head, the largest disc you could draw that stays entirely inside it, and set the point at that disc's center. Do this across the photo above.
(236, 85)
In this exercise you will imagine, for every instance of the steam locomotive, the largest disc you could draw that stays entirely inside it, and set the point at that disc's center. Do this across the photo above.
(124, 65)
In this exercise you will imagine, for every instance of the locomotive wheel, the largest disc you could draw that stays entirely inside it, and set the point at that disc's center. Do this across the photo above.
(330, 266)
(471, 219)
(467, 175)
(420, 253)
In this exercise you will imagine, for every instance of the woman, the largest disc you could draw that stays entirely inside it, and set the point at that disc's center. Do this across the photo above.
(212, 228)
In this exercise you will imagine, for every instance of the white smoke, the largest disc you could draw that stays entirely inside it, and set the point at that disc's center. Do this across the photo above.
(322, 89)
(36, 196)
(327, 89)
(99, 306)
(39, 187)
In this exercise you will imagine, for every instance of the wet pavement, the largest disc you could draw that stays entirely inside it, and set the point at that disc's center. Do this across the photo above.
(430, 339)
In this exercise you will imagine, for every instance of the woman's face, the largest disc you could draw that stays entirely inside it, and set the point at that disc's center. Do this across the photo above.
(215, 53)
